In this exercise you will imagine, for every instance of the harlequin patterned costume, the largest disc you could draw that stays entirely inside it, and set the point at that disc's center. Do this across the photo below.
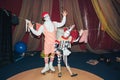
(64, 43)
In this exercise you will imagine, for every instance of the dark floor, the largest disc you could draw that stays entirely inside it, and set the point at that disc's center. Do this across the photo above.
(108, 71)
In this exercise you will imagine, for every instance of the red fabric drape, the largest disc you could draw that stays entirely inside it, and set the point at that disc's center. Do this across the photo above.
(102, 42)
(12, 5)
(55, 11)
(97, 40)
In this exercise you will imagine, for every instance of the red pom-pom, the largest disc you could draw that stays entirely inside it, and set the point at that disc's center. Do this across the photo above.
(65, 29)
(74, 34)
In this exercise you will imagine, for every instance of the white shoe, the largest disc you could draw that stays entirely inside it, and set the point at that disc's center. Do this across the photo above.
(51, 66)
(45, 69)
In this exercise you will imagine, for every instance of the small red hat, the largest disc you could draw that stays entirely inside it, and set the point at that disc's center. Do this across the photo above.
(43, 14)
(65, 29)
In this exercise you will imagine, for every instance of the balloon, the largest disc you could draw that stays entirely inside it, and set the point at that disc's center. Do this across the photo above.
(20, 47)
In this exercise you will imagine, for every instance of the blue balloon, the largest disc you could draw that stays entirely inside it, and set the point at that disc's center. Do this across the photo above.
(20, 47)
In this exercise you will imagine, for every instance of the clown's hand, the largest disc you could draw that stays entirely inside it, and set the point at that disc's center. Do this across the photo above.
(31, 25)
(81, 32)
(76, 39)
(64, 13)
(72, 27)
(28, 25)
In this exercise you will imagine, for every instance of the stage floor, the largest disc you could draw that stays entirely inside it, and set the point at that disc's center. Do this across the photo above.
(34, 74)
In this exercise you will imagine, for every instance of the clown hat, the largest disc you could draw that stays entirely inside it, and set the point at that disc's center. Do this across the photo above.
(44, 13)
(69, 29)
(65, 29)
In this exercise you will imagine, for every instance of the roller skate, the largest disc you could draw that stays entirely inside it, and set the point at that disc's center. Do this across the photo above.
(51, 67)
(59, 74)
(45, 69)
(73, 75)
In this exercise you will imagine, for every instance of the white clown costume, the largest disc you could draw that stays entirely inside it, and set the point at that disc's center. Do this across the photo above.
(62, 46)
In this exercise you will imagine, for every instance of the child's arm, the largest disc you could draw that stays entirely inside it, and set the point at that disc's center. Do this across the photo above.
(76, 39)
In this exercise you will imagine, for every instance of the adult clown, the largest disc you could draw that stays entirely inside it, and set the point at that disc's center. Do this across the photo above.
(48, 28)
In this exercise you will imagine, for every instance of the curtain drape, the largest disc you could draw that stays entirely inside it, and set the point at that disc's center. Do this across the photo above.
(35, 11)
(81, 14)
(108, 17)
(74, 13)
(98, 40)
(31, 10)
(73, 17)
(19, 31)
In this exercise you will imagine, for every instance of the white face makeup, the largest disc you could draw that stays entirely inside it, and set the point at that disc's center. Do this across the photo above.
(66, 34)
(46, 17)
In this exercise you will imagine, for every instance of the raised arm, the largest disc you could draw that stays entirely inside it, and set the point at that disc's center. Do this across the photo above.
(76, 39)
(63, 21)
(36, 32)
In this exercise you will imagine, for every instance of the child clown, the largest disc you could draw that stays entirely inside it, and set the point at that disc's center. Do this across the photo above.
(63, 44)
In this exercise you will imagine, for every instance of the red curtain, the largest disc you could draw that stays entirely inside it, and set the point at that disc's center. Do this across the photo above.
(97, 40)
